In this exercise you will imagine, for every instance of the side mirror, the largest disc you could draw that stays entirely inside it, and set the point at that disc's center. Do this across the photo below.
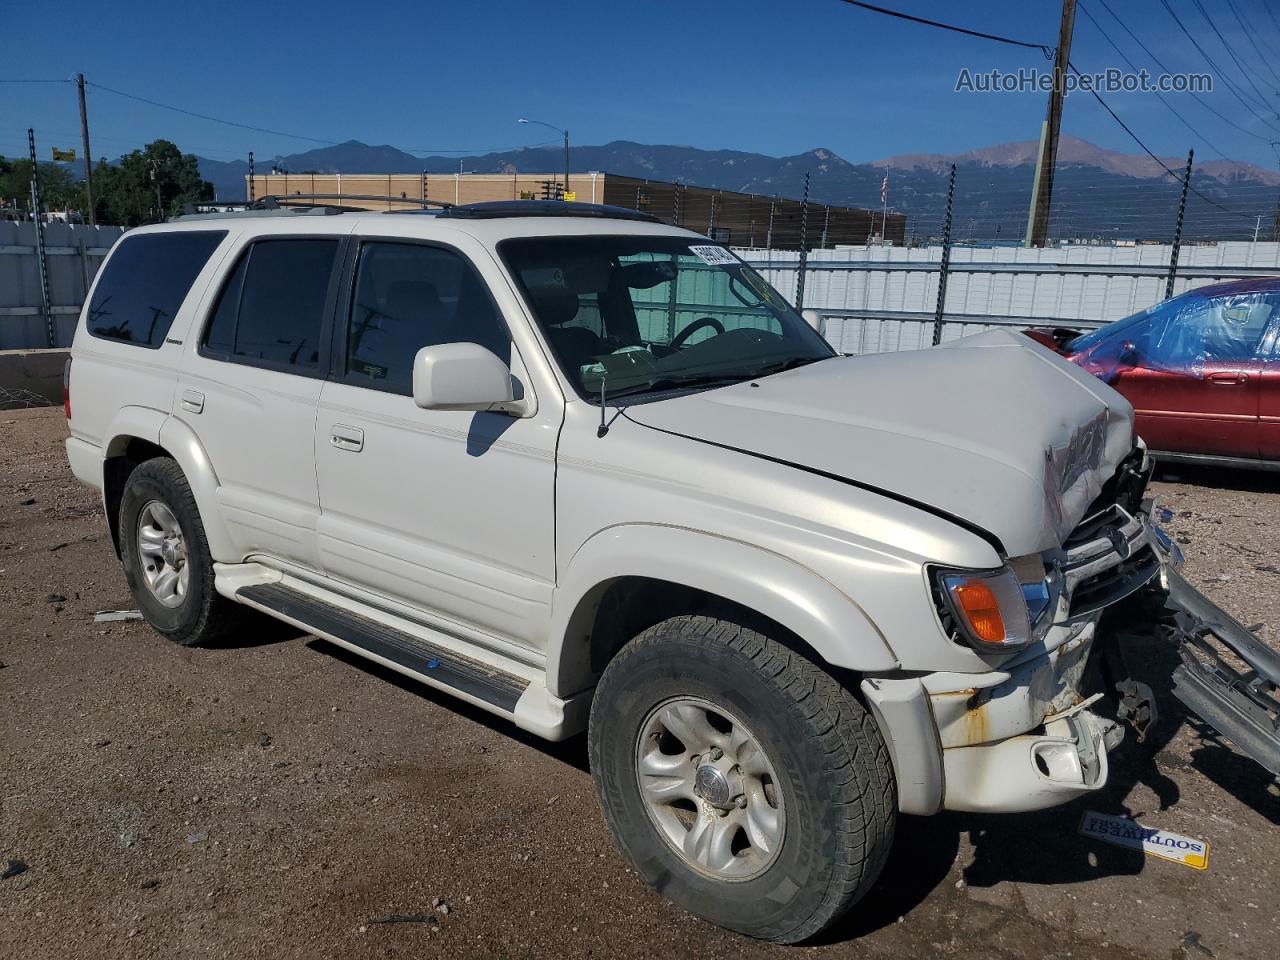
(1128, 354)
(460, 376)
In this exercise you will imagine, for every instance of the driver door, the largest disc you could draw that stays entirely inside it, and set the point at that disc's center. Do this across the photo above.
(449, 512)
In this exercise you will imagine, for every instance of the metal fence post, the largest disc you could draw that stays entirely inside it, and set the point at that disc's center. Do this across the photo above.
(38, 217)
(1177, 228)
(945, 265)
(804, 244)
(85, 275)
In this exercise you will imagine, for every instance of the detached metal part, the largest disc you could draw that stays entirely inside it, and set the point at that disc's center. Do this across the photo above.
(1137, 706)
(1241, 704)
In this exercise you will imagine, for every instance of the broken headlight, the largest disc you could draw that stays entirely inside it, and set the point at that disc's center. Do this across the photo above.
(985, 608)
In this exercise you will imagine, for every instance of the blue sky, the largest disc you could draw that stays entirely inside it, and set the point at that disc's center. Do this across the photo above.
(772, 77)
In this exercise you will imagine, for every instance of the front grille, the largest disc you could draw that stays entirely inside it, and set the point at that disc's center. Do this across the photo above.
(1093, 526)
(1114, 584)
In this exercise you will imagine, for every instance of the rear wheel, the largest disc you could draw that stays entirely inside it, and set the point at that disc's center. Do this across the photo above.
(166, 557)
(742, 780)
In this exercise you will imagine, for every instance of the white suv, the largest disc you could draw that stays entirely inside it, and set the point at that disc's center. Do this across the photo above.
(591, 472)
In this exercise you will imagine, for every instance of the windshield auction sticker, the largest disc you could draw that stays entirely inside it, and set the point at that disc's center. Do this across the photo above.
(1156, 843)
(715, 256)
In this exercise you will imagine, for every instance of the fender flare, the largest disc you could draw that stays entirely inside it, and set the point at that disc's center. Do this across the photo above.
(766, 582)
(185, 447)
(132, 422)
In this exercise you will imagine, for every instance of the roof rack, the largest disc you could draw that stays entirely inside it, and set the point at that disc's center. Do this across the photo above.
(302, 204)
(295, 199)
(496, 209)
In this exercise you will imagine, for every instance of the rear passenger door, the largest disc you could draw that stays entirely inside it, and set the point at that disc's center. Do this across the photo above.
(249, 389)
(449, 512)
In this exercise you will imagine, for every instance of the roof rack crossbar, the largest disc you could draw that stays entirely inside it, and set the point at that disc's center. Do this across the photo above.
(495, 209)
(294, 199)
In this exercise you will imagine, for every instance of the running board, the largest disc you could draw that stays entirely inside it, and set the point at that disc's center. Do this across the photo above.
(477, 681)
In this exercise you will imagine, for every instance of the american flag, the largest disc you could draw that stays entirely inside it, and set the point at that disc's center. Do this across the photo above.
(884, 189)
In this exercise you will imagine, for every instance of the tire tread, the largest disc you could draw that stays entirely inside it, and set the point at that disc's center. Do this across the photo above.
(856, 756)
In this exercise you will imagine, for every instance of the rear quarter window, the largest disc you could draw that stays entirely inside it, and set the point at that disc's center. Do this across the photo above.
(144, 283)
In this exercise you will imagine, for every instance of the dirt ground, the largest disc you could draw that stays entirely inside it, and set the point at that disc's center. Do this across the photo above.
(277, 797)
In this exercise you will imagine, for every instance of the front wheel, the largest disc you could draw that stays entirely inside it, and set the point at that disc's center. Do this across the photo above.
(741, 780)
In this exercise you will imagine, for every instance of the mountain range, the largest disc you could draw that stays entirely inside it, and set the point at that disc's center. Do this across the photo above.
(1098, 192)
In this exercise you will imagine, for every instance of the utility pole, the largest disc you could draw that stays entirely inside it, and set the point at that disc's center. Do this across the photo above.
(1042, 191)
(84, 143)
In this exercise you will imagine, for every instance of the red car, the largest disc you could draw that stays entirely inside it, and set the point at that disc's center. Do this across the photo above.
(1202, 370)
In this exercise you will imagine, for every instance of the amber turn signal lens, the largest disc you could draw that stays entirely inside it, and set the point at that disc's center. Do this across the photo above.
(976, 601)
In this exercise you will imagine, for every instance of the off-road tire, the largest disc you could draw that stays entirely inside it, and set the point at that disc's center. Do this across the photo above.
(833, 770)
(203, 616)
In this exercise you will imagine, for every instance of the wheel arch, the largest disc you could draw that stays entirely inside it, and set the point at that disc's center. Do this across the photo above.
(626, 578)
(144, 435)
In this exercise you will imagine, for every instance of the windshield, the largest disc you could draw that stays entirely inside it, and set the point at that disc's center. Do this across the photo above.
(642, 315)
(1118, 328)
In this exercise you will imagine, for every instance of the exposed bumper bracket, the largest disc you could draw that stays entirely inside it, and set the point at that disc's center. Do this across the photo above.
(1228, 677)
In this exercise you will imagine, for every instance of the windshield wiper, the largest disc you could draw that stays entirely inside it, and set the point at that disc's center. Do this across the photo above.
(678, 382)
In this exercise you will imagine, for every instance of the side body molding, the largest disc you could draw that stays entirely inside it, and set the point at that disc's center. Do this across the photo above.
(761, 580)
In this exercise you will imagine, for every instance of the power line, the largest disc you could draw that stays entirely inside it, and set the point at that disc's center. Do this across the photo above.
(1046, 50)
(1270, 13)
(1158, 62)
(205, 116)
(1147, 150)
(1132, 66)
(295, 136)
(1266, 61)
(1244, 71)
(1213, 65)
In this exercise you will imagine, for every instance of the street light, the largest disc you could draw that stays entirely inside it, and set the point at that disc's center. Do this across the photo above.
(552, 126)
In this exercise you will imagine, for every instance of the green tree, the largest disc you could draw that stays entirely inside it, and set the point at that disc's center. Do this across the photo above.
(59, 188)
(148, 185)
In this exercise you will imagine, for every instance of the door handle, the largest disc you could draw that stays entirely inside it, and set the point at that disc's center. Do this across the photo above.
(192, 401)
(1227, 378)
(346, 438)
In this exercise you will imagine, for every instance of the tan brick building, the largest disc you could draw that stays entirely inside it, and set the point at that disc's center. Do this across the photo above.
(737, 219)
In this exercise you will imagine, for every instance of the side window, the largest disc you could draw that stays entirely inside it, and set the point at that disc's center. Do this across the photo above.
(145, 282)
(1222, 329)
(271, 309)
(408, 296)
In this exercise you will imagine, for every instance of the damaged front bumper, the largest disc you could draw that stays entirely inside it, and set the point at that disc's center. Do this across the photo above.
(1228, 677)
(1022, 737)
